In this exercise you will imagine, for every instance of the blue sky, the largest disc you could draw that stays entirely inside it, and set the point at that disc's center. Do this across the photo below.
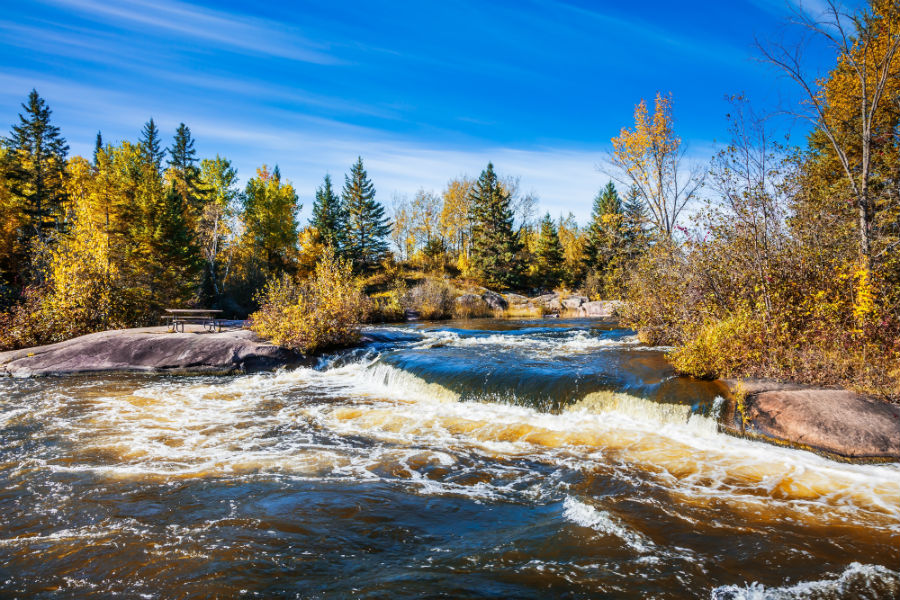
(424, 91)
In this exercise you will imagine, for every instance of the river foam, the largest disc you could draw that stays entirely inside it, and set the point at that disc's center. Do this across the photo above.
(630, 486)
(858, 582)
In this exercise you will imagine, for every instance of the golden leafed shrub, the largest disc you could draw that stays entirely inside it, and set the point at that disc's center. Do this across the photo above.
(432, 299)
(721, 347)
(386, 307)
(471, 306)
(323, 311)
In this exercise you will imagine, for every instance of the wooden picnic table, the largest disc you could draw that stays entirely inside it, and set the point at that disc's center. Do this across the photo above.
(177, 317)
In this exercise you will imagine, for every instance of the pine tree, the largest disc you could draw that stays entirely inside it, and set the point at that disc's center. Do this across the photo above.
(635, 222)
(98, 147)
(367, 227)
(328, 216)
(495, 246)
(183, 172)
(37, 174)
(548, 255)
(604, 230)
(150, 143)
(176, 256)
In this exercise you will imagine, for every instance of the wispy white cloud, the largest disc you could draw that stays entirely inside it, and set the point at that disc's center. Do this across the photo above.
(812, 8)
(656, 35)
(228, 30)
(565, 179)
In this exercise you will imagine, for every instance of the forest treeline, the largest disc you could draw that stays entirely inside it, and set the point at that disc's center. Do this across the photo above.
(110, 241)
(772, 260)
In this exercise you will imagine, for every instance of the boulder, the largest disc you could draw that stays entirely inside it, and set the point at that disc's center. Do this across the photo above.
(516, 299)
(411, 315)
(600, 308)
(150, 349)
(574, 302)
(495, 300)
(546, 298)
(835, 422)
(470, 300)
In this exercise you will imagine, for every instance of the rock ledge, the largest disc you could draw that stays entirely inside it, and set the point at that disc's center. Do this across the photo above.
(837, 423)
(149, 349)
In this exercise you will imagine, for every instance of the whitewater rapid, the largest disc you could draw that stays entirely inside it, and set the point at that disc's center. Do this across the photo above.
(393, 415)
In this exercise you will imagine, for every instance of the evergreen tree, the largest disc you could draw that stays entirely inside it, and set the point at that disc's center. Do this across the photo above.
(98, 147)
(183, 171)
(635, 222)
(367, 227)
(328, 216)
(548, 255)
(37, 159)
(604, 229)
(175, 255)
(495, 246)
(150, 143)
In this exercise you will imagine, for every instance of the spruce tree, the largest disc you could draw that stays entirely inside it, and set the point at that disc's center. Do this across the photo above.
(183, 172)
(604, 230)
(150, 143)
(175, 254)
(548, 255)
(367, 227)
(495, 246)
(98, 147)
(635, 222)
(328, 216)
(37, 157)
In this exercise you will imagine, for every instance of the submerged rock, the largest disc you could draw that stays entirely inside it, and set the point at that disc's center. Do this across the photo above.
(834, 422)
(150, 349)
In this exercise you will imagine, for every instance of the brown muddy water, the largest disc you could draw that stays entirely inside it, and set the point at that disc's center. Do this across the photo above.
(480, 459)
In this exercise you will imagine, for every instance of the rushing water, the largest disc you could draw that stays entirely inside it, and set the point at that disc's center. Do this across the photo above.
(504, 459)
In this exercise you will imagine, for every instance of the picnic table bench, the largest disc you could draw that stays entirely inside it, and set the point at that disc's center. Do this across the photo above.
(177, 317)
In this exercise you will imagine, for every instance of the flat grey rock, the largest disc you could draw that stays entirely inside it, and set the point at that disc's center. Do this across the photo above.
(150, 349)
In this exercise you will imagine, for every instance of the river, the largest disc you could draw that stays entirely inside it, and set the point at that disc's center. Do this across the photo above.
(482, 459)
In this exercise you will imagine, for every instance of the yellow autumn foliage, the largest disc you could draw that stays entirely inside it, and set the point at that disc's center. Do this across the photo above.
(323, 311)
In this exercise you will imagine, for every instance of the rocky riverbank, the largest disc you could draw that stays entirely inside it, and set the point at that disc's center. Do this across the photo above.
(152, 350)
(571, 306)
(834, 422)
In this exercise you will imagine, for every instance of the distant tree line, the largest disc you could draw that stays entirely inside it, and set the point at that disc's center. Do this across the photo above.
(111, 241)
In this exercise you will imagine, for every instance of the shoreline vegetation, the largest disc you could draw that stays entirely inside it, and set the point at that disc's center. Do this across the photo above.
(771, 261)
